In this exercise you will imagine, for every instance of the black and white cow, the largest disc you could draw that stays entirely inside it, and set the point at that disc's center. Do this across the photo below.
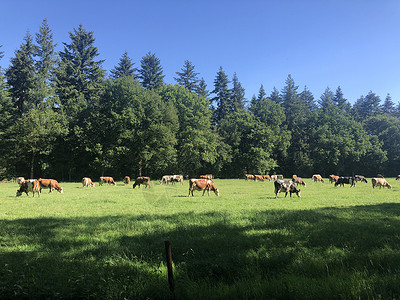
(345, 180)
(286, 186)
(27, 186)
(360, 178)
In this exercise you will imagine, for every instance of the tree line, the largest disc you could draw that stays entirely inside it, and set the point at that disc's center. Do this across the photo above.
(63, 117)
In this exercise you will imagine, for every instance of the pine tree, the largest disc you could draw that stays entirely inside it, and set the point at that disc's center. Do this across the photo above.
(326, 99)
(340, 101)
(21, 75)
(79, 77)
(202, 89)
(222, 97)
(275, 96)
(151, 72)
(188, 77)
(124, 68)
(45, 65)
(237, 94)
(366, 106)
(261, 93)
(388, 106)
(307, 97)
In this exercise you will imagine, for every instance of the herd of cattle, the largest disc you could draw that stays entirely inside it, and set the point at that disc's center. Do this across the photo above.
(204, 183)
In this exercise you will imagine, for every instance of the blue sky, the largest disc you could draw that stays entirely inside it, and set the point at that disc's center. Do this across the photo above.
(354, 44)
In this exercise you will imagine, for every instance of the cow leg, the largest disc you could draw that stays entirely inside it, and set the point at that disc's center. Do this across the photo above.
(286, 194)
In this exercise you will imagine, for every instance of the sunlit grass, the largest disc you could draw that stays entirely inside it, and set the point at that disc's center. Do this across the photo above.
(108, 242)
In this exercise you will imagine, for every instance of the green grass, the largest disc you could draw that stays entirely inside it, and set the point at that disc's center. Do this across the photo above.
(108, 242)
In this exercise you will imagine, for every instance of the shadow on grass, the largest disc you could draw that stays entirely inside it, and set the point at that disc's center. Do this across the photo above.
(123, 256)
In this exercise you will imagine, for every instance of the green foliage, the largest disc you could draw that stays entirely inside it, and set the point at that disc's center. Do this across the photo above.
(151, 72)
(188, 77)
(124, 68)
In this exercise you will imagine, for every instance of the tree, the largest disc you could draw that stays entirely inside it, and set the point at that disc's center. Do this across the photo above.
(237, 94)
(151, 72)
(21, 76)
(307, 97)
(202, 89)
(388, 106)
(45, 66)
(275, 96)
(326, 99)
(79, 76)
(188, 77)
(222, 97)
(340, 101)
(124, 68)
(366, 107)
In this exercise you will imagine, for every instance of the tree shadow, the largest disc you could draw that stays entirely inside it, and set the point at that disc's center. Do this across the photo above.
(68, 258)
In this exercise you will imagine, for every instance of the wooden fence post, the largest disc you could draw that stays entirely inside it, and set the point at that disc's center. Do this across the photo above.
(169, 267)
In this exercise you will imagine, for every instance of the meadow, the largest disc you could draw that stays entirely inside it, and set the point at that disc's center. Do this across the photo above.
(108, 242)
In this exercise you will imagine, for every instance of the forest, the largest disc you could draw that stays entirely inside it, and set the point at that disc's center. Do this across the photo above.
(63, 116)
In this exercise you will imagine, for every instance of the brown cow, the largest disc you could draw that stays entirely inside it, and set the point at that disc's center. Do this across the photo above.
(86, 181)
(298, 180)
(51, 184)
(259, 177)
(142, 180)
(202, 185)
(317, 177)
(106, 179)
(276, 177)
(29, 185)
(127, 179)
(381, 182)
(177, 178)
(333, 178)
(249, 176)
(167, 179)
(207, 176)
(267, 177)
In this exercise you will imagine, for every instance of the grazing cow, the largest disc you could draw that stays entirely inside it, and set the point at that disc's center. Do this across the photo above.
(207, 176)
(380, 176)
(249, 176)
(398, 177)
(298, 180)
(345, 180)
(29, 185)
(267, 177)
(126, 180)
(20, 180)
(142, 180)
(167, 179)
(106, 179)
(381, 182)
(202, 185)
(50, 184)
(86, 181)
(286, 186)
(177, 178)
(276, 177)
(259, 177)
(360, 178)
(317, 177)
(333, 178)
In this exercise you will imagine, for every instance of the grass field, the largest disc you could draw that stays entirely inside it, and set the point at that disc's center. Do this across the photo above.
(108, 242)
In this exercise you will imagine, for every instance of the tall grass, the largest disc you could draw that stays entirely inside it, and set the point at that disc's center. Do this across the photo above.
(108, 242)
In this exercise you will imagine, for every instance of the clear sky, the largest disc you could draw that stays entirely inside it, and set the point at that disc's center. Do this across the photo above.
(354, 44)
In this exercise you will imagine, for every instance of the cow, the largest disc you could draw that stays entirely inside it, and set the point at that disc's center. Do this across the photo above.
(20, 180)
(286, 186)
(50, 184)
(106, 179)
(177, 178)
(298, 180)
(86, 181)
(360, 178)
(126, 180)
(345, 180)
(202, 185)
(259, 177)
(276, 177)
(29, 185)
(207, 176)
(142, 180)
(167, 179)
(267, 177)
(398, 177)
(381, 182)
(249, 176)
(333, 178)
(317, 177)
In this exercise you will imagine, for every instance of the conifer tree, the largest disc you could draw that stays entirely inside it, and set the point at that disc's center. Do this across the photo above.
(151, 72)
(21, 75)
(202, 89)
(388, 106)
(307, 97)
(237, 94)
(326, 99)
(124, 68)
(188, 77)
(340, 101)
(222, 97)
(275, 96)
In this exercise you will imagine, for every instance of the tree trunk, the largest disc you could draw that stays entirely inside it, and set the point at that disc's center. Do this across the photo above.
(32, 163)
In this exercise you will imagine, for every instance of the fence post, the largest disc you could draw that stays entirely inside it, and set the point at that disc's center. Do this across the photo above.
(169, 267)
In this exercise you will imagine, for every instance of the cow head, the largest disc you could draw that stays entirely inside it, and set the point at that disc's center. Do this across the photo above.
(19, 193)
